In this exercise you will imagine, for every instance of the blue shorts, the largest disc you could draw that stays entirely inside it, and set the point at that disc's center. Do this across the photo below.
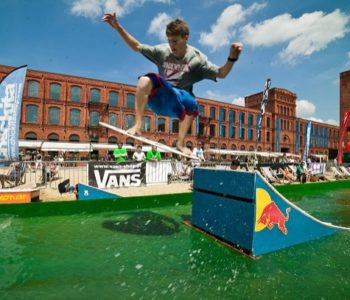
(170, 101)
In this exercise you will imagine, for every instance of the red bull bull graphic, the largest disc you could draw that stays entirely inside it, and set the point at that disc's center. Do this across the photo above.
(243, 210)
(268, 214)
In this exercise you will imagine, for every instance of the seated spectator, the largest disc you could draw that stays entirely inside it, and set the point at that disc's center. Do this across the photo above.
(302, 173)
(287, 175)
(138, 154)
(153, 154)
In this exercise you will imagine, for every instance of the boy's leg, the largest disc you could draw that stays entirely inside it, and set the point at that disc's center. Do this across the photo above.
(143, 90)
(183, 129)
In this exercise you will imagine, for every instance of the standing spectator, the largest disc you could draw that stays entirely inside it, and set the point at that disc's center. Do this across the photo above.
(38, 161)
(198, 152)
(153, 155)
(120, 153)
(107, 156)
(138, 154)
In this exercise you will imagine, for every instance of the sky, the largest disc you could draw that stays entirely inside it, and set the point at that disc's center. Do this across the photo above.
(302, 46)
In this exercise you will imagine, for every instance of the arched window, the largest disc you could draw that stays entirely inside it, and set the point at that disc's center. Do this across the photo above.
(32, 114)
(53, 137)
(233, 147)
(55, 91)
(242, 147)
(74, 138)
(31, 136)
(130, 100)
(146, 124)
(54, 116)
(130, 141)
(112, 119)
(94, 139)
(161, 125)
(251, 148)
(162, 141)
(94, 118)
(33, 88)
(75, 93)
(95, 95)
(130, 121)
(113, 99)
(112, 140)
(74, 117)
(212, 130)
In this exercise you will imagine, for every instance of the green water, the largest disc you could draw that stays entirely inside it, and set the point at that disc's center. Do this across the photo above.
(150, 254)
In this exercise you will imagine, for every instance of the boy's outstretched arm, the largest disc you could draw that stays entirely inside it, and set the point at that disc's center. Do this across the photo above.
(127, 37)
(235, 51)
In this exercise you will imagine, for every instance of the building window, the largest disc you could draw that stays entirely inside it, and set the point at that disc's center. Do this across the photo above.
(75, 93)
(74, 117)
(242, 137)
(201, 110)
(54, 116)
(161, 125)
(223, 131)
(95, 95)
(201, 129)
(212, 112)
(233, 132)
(113, 99)
(130, 141)
(55, 91)
(146, 124)
(53, 137)
(33, 88)
(94, 118)
(32, 114)
(268, 122)
(31, 136)
(130, 121)
(74, 138)
(112, 119)
(212, 130)
(130, 100)
(268, 136)
(222, 114)
(232, 117)
(175, 126)
(112, 140)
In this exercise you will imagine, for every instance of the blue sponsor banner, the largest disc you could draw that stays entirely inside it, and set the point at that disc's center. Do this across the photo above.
(11, 91)
(307, 140)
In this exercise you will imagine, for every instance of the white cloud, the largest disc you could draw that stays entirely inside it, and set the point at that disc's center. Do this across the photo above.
(219, 96)
(305, 108)
(222, 32)
(310, 33)
(158, 25)
(96, 8)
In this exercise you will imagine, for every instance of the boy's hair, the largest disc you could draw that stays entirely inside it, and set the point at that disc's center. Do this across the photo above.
(177, 27)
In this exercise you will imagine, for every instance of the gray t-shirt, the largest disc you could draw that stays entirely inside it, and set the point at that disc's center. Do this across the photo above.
(183, 72)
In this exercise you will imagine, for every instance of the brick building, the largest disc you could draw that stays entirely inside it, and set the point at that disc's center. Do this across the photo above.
(344, 99)
(67, 108)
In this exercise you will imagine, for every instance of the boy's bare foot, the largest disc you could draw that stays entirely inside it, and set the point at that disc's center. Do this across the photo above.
(183, 149)
(134, 131)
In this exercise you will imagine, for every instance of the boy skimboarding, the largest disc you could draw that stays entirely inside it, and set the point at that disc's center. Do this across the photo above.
(180, 65)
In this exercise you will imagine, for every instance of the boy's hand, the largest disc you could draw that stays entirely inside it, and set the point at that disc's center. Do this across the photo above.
(110, 19)
(235, 50)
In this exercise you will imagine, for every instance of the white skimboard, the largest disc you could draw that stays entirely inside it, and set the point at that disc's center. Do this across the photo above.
(147, 141)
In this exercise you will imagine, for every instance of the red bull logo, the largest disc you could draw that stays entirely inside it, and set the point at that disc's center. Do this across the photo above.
(268, 214)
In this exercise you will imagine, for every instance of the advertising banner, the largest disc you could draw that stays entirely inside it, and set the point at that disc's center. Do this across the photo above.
(104, 175)
(11, 91)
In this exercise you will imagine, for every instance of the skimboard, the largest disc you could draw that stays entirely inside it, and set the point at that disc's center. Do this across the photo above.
(147, 141)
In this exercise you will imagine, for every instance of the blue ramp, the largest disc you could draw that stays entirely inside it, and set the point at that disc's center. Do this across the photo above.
(87, 192)
(242, 209)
